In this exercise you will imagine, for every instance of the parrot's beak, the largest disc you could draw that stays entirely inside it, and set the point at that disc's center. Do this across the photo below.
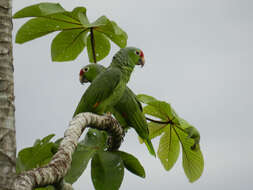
(141, 61)
(82, 78)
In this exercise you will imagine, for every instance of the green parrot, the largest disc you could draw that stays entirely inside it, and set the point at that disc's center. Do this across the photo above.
(128, 110)
(108, 87)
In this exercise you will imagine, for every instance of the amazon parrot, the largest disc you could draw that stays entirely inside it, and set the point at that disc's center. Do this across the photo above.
(128, 110)
(108, 87)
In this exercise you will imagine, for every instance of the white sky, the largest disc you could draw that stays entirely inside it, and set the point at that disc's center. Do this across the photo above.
(198, 57)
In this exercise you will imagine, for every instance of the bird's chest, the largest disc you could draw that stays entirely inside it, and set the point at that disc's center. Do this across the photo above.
(116, 95)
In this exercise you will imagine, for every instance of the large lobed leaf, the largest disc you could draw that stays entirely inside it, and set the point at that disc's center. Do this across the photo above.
(193, 161)
(132, 164)
(102, 46)
(38, 27)
(38, 10)
(107, 171)
(67, 45)
(156, 129)
(94, 141)
(159, 109)
(177, 130)
(145, 98)
(169, 148)
(75, 27)
(111, 30)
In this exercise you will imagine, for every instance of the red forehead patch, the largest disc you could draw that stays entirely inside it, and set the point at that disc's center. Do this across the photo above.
(142, 54)
(81, 72)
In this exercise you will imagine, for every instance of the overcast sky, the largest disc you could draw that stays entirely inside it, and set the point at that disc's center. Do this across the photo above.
(198, 57)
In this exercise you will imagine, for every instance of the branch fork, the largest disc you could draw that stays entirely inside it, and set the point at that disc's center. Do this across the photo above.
(54, 171)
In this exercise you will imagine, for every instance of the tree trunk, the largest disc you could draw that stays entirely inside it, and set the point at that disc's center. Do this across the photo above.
(7, 109)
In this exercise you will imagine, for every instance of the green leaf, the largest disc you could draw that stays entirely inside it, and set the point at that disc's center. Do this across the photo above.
(155, 129)
(94, 141)
(47, 139)
(44, 140)
(52, 11)
(192, 132)
(38, 10)
(20, 167)
(80, 160)
(102, 46)
(193, 161)
(101, 21)
(38, 155)
(145, 98)
(154, 111)
(34, 156)
(132, 164)
(67, 45)
(168, 150)
(111, 30)
(38, 27)
(162, 110)
(80, 14)
(107, 171)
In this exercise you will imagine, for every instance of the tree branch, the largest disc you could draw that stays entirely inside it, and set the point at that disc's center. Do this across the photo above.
(61, 161)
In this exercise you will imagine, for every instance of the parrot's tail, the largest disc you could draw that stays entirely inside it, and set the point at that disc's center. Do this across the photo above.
(150, 147)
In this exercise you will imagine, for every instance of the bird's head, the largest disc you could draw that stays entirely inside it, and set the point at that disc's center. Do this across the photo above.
(90, 72)
(129, 57)
(136, 55)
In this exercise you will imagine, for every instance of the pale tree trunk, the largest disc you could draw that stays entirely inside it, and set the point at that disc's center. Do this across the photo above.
(7, 109)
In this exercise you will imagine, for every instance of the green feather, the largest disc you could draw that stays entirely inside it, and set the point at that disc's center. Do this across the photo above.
(128, 110)
(108, 87)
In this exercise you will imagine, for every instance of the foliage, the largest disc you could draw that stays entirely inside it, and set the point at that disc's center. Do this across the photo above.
(76, 31)
(37, 155)
(174, 131)
(107, 168)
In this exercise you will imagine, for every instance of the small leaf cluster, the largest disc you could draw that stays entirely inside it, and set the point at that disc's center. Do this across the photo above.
(38, 155)
(107, 168)
(174, 131)
(75, 31)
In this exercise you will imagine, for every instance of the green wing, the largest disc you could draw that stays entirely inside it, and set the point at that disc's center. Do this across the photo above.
(131, 110)
(100, 93)
(139, 103)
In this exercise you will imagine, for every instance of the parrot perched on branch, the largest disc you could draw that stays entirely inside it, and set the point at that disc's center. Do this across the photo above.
(108, 87)
(128, 110)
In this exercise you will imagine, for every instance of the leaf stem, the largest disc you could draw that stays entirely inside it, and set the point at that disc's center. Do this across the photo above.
(166, 122)
(93, 45)
(160, 122)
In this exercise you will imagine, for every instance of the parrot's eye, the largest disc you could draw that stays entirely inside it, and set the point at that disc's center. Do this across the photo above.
(137, 52)
(86, 69)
